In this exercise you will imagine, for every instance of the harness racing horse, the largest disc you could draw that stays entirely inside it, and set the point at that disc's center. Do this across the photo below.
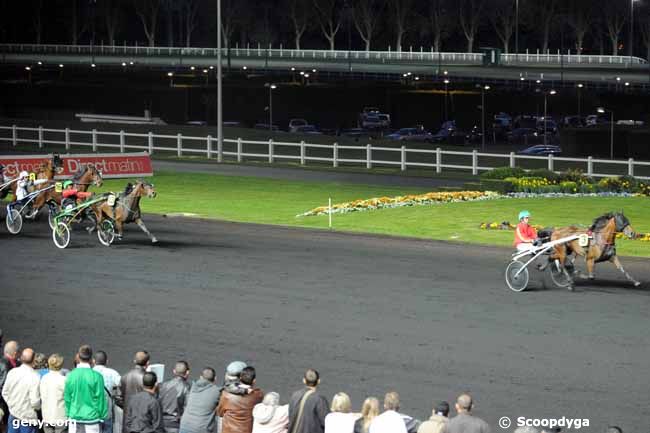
(127, 208)
(601, 247)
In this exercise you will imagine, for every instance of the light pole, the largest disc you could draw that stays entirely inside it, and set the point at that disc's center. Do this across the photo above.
(580, 86)
(483, 89)
(219, 91)
(602, 110)
(271, 87)
(446, 96)
(551, 92)
(517, 28)
(631, 49)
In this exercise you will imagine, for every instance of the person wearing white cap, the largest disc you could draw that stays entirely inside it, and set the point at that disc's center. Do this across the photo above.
(269, 416)
(22, 189)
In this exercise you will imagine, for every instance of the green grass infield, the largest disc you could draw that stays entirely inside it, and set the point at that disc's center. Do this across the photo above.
(271, 201)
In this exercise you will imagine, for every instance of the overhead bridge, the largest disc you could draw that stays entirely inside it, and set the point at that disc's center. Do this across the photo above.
(529, 66)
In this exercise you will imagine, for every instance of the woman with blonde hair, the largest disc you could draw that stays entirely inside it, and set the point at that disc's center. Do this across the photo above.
(369, 411)
(340, 420)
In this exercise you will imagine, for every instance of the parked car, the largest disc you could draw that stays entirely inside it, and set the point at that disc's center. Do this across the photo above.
(596, 119)
(572, 122)
(630, 122)
(450, 136)
(372, 118)
(551, 126)
(410, 134)
(524, 121)
(307, 129)
(541, 150)
(295, 123)
(523, 135)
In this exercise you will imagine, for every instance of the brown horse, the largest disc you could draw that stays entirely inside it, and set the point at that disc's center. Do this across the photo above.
(127, 208)
(47, 170)
(601, 247)
(86, 176)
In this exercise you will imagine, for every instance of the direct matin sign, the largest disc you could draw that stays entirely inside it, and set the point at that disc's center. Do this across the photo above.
(111, 165)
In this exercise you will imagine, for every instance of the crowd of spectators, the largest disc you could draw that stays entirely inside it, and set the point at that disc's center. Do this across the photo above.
(39, 395)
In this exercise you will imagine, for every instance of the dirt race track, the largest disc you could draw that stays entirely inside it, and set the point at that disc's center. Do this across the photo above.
(372, 313)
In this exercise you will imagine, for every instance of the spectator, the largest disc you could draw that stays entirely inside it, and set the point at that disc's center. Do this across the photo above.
(40, 364)
(22, 394)
(237, 410)
(369, 411)
(390, 421)
(173, 397)
(269, 417)
(526, 429)
(614, 429)
(465, 422)
(340, 420)
(231, 380)
(85, 398)
(145, 412)
(438, 421)
(307, 408)
(200, 411)
(52, 402)
(131, 383)
(7, 362)
(111, 385)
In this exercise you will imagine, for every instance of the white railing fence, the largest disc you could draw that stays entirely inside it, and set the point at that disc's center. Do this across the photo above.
(331, 154)
(259, 50)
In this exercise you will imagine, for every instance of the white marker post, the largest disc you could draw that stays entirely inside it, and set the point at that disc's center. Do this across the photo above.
(329, 213)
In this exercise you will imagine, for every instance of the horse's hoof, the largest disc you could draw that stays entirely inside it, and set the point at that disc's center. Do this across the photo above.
(637, 283)
(154, 241)
(569, 288)
(583, 276)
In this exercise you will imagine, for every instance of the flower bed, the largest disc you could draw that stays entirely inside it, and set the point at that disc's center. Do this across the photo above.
(401, 201)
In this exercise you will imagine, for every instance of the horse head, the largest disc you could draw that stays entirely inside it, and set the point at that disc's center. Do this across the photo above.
(57, 164)
(623, 225)
(96, 174)
(147, 189)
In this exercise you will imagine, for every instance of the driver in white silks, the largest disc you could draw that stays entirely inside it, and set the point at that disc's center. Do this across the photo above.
(525, 234)
(22, 189)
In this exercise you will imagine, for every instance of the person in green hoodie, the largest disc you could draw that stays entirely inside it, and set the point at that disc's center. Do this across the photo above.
(84, 396)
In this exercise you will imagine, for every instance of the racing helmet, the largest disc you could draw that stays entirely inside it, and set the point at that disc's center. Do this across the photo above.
(523, 214)
(67, 183)
(23, 174)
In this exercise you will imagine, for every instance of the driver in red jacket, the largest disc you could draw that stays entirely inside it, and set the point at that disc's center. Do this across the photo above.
(71, 194)
(525, 234)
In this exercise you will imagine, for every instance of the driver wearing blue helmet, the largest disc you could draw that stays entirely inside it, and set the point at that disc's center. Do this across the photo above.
(525, 234)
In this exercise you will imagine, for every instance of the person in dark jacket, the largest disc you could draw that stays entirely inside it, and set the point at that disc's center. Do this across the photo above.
(131, 383)
(144, 411)
(8, 361)
(173, 397)
(201, 408)
(307, 408)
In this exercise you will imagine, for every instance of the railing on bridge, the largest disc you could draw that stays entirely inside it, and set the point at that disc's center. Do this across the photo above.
(420, 55)
(334, 155)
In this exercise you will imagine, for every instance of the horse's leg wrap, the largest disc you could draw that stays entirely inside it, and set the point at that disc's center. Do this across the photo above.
(629, 277)
(140, 224)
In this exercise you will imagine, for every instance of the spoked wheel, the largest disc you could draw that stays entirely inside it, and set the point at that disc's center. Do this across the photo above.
(559, 278)
(516, 280)
(14, 222)
(52, 211)
(61, 235)
(106, 232)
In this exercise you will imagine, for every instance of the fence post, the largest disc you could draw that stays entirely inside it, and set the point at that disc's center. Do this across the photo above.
(512, 159)
(302, 152)
(14, 135)
(368, 157)
(239, 147)
(630, 167)
(150, 142)
(438, 160)
(67, 138)
(474, 162)
(179, 145)
(550, 162)
(335, 155)
(590, 166)
(94, 140)
(403, 158)
(40, 137)
(220, 150)
(270, 151)
(209, 147)
(122, 141)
